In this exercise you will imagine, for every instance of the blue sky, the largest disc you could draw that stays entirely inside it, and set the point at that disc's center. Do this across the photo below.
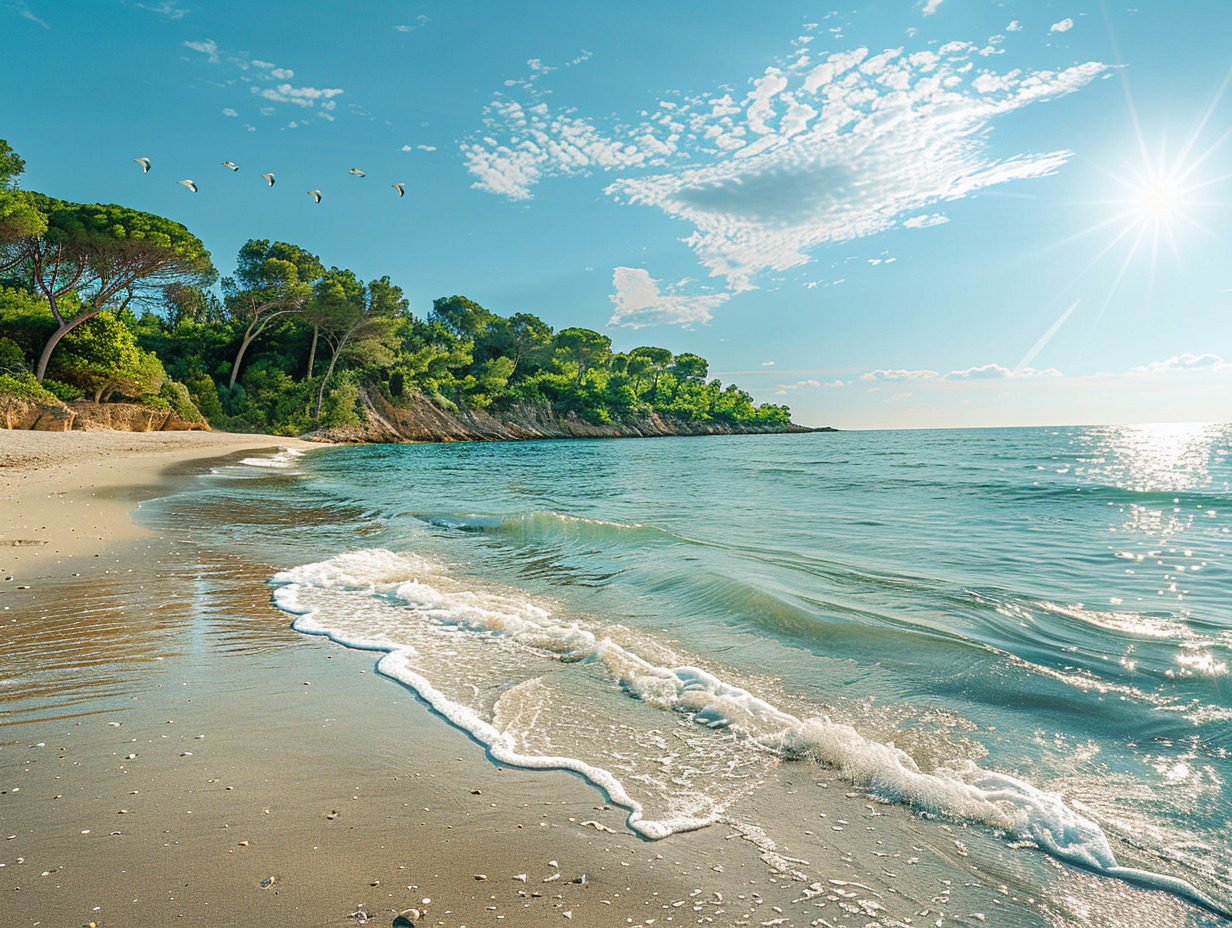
(893, 214)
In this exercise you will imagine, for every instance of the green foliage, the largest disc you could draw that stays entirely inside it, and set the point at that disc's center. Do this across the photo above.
(65, 392)
(11, 164)
(12, 358)
(341, 406)
(26, 387)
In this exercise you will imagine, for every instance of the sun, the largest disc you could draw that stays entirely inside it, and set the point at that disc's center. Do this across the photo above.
(1159, 202)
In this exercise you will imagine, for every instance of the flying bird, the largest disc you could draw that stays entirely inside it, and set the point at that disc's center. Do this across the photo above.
(270, 178)
(231, 164)
(145, 164)
(399, 188)
(356, 171)
(189, 184)
(315, 194)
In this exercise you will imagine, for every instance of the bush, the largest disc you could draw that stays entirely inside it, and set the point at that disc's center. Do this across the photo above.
(26, 387)
(64, 392)
(339, 408)
(12, 358)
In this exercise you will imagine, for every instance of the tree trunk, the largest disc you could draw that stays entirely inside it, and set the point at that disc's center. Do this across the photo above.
(312, 355)
(63, 329)
(249, 337)
(316, 412)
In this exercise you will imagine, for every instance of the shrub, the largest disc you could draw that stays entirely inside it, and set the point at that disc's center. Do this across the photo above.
(25, 386)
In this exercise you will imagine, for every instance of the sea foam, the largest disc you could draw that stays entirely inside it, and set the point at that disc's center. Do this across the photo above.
(428, 600)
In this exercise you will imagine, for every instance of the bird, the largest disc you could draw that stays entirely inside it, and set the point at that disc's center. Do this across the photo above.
(231, 164)
(270, 178)
(399, 188)
(145, 164)
(356, 171)
(315, 194)
(189, 184)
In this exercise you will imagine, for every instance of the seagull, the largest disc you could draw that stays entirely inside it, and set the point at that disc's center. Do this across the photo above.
(145, 164)
(270, 178)
(315, 194)
(189, 184)
(399, 188)
(231, 164)
(356, 171)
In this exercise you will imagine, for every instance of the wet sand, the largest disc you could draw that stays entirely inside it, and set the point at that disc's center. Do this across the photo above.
(171, 752)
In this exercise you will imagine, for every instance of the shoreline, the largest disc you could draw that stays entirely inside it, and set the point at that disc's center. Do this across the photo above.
(172, 750)
(162, 760)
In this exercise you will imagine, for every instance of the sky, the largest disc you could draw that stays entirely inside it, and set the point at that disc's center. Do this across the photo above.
(944, 213)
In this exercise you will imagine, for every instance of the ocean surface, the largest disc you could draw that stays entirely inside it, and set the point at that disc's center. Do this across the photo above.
(1018, 636)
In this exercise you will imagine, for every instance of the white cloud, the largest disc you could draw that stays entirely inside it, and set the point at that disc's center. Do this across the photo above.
(168, 9)
(1064, 25)
(767, 364)
(260, 70)
(426, 147)
(640, 302)
(21, 9)
(229, 112)
(300, 96)
(420, 22)
(1182, 363)
(930, 7)
(207, 47)
(982, 372)
(883, 374)
(852, 146)
(924, 222)
(1015, 26)
(997, 372)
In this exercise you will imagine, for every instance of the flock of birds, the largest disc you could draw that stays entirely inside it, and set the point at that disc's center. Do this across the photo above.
(315, 194)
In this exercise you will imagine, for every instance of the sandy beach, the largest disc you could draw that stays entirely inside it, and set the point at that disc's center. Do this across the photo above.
(172, 752)
(168, 760)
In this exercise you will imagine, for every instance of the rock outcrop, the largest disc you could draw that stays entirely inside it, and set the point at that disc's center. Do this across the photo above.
(83, 415)
(419, 418)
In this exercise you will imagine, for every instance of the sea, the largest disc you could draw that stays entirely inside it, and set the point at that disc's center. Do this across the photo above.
(1014, 643)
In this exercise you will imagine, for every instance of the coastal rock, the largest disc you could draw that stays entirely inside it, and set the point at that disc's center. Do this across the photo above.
(84, 415)
(417, 417)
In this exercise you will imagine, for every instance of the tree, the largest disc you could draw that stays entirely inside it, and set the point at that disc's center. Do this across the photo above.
(187, 304)
(659, 359)
(585, 347)
(359, 320)
(11, 164)
(270, 280)
(101, 356)
(529, 335)
(463, 317)
(109, 256)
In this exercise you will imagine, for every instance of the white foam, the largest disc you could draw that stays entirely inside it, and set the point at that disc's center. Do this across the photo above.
(963, 792)
(282, 460)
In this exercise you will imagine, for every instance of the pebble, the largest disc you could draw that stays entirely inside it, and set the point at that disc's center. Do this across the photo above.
(267, 882)
(406, 918)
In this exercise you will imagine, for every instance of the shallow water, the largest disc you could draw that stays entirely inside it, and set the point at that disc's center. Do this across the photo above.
(1023, 631)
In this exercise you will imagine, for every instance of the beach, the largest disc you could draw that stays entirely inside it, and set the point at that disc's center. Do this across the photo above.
(173, 751)
(153, 771)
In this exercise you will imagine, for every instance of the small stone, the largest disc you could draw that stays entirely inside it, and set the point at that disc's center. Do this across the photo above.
(267, 882)
(406, 918)
(243, 844)
(521, 878)
(482, 877)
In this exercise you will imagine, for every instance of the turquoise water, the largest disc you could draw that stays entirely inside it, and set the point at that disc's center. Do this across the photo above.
(1039, 621)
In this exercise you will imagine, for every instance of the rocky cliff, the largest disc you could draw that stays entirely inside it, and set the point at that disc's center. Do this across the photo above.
(419, 418)
(83, 415)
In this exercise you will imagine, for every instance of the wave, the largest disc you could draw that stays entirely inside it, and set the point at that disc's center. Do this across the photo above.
(545, 525)
(503, 669)
(282, 460)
